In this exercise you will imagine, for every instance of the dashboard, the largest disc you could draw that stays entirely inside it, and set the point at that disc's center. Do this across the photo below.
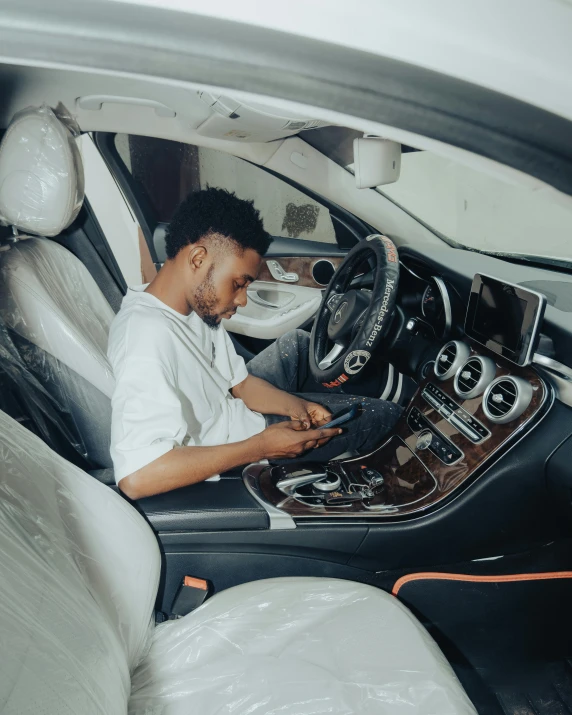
(472, 402)
(478, 464)
(436, 306)
(430, 300)
(436, 285)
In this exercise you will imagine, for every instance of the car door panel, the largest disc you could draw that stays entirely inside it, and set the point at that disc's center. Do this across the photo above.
(274, 309)
(286, 295)
(307, 268)
(276, 306)
(302, 247)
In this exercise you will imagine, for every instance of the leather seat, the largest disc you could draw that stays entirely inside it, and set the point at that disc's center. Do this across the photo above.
(80, 571)
(57, 318)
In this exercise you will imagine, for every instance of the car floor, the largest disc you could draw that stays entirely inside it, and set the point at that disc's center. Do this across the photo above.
(506, 628)
(545, 689)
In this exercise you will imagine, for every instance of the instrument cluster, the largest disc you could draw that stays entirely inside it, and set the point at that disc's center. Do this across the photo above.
(436, 306)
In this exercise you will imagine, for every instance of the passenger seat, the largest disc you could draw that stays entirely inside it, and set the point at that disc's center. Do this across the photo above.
(56, 317)
(80, 571)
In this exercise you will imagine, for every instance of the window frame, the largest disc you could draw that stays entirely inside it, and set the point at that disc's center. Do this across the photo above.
(348, 228)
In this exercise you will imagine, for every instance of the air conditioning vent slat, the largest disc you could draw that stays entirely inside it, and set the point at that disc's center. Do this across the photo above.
(506, 398)
(450, 358)
(506, 389)
(474, 376)
(496, 411)
(470, 375)
(446, 359)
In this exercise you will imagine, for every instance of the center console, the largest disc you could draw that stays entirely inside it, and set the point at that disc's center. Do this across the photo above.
(479, 400)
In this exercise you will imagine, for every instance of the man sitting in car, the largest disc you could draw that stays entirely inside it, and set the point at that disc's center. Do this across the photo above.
(185, 405)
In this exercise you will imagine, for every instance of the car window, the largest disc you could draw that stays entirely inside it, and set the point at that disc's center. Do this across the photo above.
(167, 171)
(467, 207)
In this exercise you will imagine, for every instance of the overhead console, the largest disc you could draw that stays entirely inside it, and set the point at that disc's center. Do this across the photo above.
(237, 120)
(480, 398)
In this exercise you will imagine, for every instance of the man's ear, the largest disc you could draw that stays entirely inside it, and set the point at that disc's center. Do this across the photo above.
(196, 256)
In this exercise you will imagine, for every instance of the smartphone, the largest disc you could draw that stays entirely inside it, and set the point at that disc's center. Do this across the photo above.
(344, 416)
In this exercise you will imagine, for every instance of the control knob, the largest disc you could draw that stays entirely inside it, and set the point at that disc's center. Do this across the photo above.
(424, 439)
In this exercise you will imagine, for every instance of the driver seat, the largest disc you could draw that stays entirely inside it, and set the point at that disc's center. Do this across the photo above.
(54, 319)
(80, 574)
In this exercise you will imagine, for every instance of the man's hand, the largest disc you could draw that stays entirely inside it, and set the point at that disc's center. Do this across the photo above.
(261, 396)
(286, 440)
(310, 414)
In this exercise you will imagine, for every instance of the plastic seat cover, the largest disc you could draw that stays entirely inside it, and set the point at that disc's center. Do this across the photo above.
(296, 646)
(80, 573)
(57, 316)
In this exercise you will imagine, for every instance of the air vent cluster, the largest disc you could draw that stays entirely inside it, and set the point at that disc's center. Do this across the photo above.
(450, 358)
(506, 398)
(474, 376)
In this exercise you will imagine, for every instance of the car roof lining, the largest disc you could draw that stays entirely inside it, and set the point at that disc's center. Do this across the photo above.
(179, 47)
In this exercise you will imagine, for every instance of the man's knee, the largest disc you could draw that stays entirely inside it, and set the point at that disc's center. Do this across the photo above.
(380, 413)
(294, 340)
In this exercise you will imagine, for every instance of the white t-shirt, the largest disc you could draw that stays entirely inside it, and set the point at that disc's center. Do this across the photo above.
(173, 375)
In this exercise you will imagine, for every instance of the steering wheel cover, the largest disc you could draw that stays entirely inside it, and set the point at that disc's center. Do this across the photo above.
(377, 321)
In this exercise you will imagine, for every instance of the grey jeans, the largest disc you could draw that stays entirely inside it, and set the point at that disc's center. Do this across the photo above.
(284, 364)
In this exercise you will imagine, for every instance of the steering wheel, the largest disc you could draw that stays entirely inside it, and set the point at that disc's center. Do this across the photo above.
(350, 324)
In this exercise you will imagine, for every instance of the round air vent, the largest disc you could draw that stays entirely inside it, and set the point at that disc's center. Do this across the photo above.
(506, 398)
(450, 358)
(474, 376)
(322, 271)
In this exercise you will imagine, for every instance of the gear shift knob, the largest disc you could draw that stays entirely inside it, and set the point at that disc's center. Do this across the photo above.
(289, 484)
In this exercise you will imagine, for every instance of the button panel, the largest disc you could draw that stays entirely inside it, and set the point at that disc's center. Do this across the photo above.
(439, 445)
(467, 425)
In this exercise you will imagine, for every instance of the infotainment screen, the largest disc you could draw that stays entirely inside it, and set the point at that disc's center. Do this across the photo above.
(504, 318)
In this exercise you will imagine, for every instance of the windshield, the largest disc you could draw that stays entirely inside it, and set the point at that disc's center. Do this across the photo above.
(466, 207)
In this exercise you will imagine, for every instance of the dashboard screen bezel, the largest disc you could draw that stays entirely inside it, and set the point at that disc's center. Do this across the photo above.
(529, 330)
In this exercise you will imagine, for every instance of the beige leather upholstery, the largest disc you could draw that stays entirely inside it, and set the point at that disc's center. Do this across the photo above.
(79, 575)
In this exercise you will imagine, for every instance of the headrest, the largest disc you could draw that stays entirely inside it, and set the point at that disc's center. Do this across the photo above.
(41, 173)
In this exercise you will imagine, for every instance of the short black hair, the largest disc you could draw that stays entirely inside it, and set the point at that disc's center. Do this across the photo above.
(217, 211)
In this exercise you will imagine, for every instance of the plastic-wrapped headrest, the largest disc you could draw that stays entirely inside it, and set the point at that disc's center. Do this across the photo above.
(41, 173)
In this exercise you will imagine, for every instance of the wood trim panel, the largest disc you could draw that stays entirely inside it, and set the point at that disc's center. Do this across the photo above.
(302, 266)
(416, 480)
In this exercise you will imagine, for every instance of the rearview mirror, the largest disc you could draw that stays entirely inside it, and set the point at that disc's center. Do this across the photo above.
(377, 161)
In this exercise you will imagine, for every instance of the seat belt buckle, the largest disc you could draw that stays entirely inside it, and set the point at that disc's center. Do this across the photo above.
(192, 593)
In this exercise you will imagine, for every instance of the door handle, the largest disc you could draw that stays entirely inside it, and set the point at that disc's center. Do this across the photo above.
(279, 274)
(255, 297)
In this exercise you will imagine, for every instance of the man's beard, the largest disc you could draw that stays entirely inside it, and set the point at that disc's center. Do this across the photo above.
(205, 301)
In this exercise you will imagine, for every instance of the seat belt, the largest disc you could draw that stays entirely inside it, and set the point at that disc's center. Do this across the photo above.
(192, 593)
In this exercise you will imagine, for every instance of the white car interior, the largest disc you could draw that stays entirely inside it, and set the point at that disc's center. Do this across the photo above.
(430, 576)
(93, 571)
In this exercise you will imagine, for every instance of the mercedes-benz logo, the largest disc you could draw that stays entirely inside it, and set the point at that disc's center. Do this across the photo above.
(340, 312)
(355, 361)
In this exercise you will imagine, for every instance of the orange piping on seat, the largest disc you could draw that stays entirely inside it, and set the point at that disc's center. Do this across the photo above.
(478, 579)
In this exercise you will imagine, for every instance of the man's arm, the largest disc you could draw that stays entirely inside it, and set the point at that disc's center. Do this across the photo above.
(187, 465)
(261, 396)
